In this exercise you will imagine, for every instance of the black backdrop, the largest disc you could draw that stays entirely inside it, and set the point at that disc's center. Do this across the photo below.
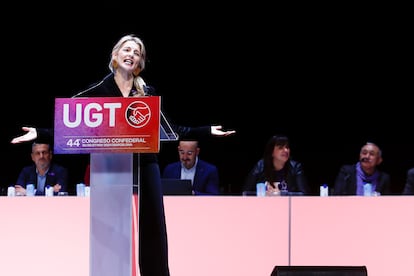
(331, 78)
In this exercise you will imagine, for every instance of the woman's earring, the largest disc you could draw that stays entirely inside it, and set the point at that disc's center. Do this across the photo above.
(137, 71)
(114, 64)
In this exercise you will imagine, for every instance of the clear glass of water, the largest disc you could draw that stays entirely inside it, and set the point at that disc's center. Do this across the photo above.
(30, 190)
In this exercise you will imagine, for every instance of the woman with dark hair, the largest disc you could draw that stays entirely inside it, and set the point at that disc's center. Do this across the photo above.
(281, 174)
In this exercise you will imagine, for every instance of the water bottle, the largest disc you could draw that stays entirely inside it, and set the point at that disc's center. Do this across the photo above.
(30, 190)
(87, 191)
(11, 191)
(367, 189)
(49, 190)
(324, 190)
(260, 189)
(80, 189)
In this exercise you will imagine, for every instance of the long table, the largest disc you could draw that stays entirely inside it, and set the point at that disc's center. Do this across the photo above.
(221, 235)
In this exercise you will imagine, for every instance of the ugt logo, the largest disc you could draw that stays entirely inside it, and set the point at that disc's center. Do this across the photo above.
(138, 114)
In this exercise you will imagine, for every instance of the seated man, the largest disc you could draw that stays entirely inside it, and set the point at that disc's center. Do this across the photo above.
(43, 172)
(409, 184)
(352, 178)
(204, 176)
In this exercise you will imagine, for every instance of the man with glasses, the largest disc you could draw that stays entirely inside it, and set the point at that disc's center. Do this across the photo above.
(203, 175)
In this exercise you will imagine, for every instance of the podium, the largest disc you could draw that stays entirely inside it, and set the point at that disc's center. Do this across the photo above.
(112, 130)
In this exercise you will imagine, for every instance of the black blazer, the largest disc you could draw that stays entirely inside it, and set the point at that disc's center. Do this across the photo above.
(346, 181)
(409, 184)
(296, 180)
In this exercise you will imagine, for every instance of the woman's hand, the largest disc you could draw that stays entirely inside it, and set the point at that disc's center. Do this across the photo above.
(216, 130)
(272, 189)
(29, 136)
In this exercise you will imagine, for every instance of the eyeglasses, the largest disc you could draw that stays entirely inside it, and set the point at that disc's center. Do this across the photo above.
(182, 152)
(39, 153)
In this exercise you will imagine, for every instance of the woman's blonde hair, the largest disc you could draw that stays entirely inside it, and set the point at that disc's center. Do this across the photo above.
(139, 83)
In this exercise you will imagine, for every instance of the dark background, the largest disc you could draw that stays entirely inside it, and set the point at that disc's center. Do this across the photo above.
(330, 77)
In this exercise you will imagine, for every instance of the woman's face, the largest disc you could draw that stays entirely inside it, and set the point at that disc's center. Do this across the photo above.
(128, 56)
(281, 153)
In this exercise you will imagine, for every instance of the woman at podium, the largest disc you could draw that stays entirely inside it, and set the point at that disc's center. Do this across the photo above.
(126, 62)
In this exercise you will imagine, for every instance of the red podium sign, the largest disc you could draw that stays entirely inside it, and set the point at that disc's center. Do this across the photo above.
(107, 124)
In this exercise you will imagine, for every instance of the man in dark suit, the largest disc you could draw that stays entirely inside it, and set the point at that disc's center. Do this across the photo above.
(352, 179)
(43, 172)
(204, 176)
(409, 184)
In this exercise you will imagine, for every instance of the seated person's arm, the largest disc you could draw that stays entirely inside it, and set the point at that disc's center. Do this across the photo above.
(20, 190)
(62, 181)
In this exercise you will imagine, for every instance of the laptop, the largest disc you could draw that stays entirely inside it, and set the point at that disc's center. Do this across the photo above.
(174, 186)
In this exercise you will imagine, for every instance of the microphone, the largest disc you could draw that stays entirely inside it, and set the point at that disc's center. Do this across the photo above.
(92, 87)
(149, 90)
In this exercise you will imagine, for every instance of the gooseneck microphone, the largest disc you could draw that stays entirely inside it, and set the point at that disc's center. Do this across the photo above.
(92, 87)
